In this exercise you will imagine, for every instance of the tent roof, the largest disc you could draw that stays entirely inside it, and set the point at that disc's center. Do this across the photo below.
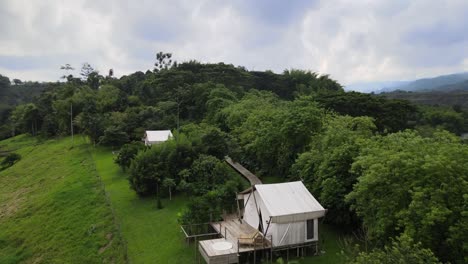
(289, 202)
(158, 135)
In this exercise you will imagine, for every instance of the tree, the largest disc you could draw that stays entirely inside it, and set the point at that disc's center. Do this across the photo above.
(113, 136)
(67, 68)
(163, 61)
(169, 183)
(149, 168)
(109, 98)
(325, 168)
(86, 70)
(415, 186)
(17, 81)
(90, 121)
(403, 250)
(207, 172)
(390, 115)
(126, 154)
(24, 118)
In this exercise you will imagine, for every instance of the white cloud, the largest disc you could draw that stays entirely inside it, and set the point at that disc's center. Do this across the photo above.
(350, 40)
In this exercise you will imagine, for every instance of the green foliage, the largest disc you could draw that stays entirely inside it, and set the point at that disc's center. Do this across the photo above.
(113, 136)
(206, 173)
(208, 139)
(126, 154)
(149, 168)
(214, 185)
(271, 132)
(402, 251)
(163, 61)
(443, 118)
(414, 186)
(110, 98)
(389, 115)
(24, 118)
(325, 168)
(211, 205)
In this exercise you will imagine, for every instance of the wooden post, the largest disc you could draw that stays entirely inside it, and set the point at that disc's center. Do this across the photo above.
(238, 208)
(271, 249)
(71, 121)
(255, 254)
(196, 247)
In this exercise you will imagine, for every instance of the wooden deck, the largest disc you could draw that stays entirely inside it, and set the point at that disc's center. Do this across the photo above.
(213, 256)
(230, 230)
(243, 171)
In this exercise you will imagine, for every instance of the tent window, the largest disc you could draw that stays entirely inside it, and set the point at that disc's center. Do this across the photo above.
(310, 229)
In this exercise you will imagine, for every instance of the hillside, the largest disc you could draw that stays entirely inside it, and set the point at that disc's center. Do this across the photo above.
(436, 83)
(443, 98)
(450, 82)
(53, 207)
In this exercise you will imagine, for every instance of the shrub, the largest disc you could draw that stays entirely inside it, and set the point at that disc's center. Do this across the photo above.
(10, 159)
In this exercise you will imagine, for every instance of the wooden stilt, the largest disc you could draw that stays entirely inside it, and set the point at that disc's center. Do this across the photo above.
(255, 255)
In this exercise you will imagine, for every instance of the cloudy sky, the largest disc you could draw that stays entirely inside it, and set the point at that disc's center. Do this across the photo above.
(351, 40)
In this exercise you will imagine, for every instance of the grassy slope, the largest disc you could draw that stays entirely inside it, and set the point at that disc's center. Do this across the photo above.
(153, 236)
(53, 208)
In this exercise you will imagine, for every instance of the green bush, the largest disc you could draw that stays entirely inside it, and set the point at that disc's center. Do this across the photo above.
(10, 159)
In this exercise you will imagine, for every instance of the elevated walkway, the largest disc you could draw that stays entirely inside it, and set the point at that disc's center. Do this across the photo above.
(243, 171)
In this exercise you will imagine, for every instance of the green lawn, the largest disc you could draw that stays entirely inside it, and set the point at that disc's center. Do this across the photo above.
(152, 236)
(53, 208)
(329, 246)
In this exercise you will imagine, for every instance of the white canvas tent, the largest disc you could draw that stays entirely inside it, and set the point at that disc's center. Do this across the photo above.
(156, 136)
(285, 211)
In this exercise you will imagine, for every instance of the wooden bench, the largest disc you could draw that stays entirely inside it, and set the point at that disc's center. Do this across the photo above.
(253, 239)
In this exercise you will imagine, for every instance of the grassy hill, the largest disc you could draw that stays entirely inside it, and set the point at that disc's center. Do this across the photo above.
(53, 207)
(153, 236)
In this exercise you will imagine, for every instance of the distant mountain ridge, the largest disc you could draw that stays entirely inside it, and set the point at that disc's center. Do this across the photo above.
(450, 82)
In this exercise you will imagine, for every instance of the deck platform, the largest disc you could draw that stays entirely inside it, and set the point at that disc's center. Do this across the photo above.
(230, 230)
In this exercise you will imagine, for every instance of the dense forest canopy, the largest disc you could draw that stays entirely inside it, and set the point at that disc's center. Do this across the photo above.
(392, 168)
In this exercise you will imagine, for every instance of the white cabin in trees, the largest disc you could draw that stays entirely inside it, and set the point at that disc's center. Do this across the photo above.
(153, 137)
(286, 213)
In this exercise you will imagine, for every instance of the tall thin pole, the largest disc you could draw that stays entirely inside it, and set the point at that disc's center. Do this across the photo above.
(71, 121)
(178, 111)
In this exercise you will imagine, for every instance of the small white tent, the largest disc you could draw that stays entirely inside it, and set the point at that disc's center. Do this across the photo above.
(156, 136)
(285, 211)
